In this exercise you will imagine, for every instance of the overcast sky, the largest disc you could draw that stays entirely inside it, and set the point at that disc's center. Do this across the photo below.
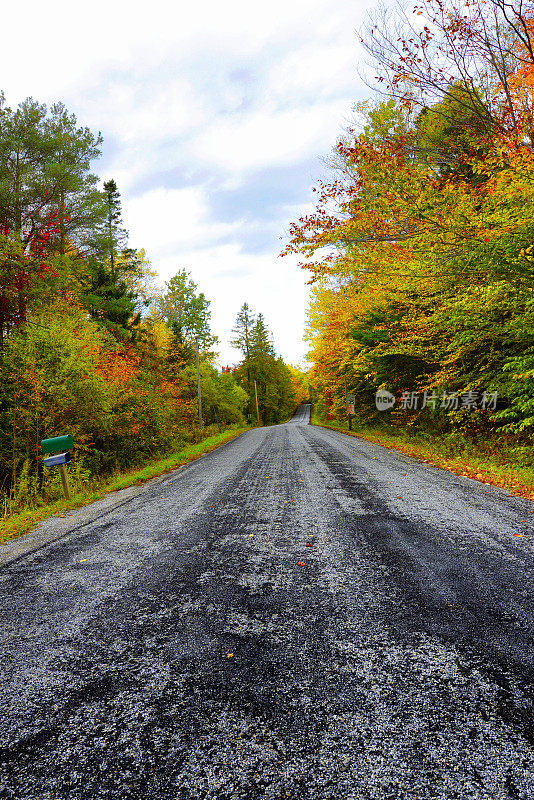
(215, 117)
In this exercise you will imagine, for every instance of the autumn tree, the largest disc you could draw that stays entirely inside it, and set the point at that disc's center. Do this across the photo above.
(187, 310)
(421, 56)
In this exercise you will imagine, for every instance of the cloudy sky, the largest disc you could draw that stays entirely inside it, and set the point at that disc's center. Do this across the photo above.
(215, 117)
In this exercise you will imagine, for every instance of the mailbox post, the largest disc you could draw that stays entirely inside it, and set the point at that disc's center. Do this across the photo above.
(59, 459)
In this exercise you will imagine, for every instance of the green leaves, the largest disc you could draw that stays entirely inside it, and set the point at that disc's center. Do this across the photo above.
(186, 310)
(275, 386)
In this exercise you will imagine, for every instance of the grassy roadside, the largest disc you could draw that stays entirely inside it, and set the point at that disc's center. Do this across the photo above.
(460, 457)
(19, 524)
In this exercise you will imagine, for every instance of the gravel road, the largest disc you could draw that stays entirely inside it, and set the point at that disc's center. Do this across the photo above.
(298, 614)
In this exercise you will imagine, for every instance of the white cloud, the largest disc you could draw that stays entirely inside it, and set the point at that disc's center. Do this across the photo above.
(315, 71)
(193, 100)
(164, 219)
(273, 286)
(269, 136)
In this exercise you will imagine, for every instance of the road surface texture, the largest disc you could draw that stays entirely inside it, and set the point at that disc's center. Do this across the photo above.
(298, 614)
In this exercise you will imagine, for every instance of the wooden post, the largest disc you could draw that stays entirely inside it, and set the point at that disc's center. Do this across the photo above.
(257, 410)
(64, 481)
(214, 409)
(198, 390)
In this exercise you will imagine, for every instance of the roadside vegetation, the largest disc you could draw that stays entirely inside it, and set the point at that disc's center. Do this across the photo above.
(89, 344)
(421, 247)
(458, 453)
(84, 492)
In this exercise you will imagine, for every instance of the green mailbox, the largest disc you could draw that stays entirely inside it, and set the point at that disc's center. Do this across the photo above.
(54, 446)
(57, 443)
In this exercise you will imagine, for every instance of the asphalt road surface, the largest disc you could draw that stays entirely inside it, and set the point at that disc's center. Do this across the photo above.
(298, 614)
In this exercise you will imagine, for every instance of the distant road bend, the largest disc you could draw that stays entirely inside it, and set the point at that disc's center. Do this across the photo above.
(298, 614)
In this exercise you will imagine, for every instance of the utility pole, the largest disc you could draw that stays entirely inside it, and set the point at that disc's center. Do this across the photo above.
(198, 390)
(349, 418)
(257, 411)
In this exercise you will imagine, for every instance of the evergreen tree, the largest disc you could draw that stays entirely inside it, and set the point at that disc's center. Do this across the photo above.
(116, 235)
(109, 301)
(261, 366)
(116, 272)
(243, 330)
(45, 169)
(260, 344)
(242, 338)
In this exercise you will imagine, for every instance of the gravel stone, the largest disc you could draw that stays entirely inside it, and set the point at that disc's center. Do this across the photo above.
(152, 648)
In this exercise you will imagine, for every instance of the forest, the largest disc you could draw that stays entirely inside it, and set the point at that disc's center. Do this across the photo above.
(420, 249)
(419, 252)
(89, 345)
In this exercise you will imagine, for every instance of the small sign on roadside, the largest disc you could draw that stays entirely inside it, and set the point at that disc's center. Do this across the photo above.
(351, 401)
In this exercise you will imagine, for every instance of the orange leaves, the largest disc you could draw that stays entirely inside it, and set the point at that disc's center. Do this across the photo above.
(117, 367)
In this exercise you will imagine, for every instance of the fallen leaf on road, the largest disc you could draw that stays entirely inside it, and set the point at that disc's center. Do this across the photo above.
(81, 562)
(518, 534)
(301, 564)
(309, 545)
(398, 498)
(229, 655)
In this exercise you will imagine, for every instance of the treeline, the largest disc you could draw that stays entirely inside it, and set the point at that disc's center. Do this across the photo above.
(88, 344)
(263, 375)
(421, 246)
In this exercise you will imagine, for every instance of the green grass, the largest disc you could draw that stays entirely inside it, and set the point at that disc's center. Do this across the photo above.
(490, 462)
(20, 523)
